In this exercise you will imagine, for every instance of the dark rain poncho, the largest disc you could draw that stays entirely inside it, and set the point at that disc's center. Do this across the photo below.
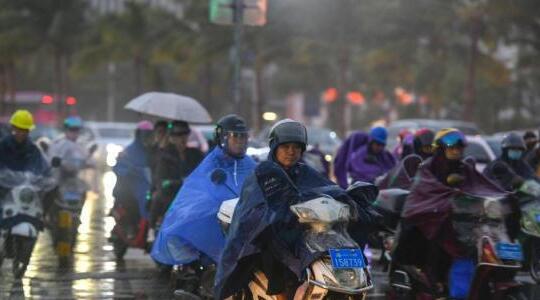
(429, 204)
(365, 166)
(190, 226)
(263, 223)
(505, 172)
(345, 151)
(22, 157)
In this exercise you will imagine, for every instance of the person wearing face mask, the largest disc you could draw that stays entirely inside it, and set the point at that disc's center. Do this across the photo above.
(371, 160)
(174, 163)
(510, 169)
(264, 232)
(190, 230)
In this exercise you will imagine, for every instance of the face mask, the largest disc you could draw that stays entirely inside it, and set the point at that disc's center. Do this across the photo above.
(515, 154)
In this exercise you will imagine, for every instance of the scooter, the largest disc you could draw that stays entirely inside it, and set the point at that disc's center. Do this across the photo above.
(22, 215)
(489, 271)
(389, 204)
(340, 273)
(64, 217)
(64, 214)
(529, 202)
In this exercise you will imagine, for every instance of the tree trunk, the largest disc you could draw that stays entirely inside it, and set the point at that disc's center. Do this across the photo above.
(259, 97)
(138, 68)
(59, 88)
(3, 89)
(470, 84)
(11, 82)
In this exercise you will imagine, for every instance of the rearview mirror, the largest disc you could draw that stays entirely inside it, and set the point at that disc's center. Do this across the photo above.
(56, 162)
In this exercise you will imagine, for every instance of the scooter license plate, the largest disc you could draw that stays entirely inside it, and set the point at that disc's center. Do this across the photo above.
(347, 258)
(537, 218)
(509, 251)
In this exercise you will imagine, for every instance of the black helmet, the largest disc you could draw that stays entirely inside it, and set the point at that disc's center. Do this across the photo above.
(229, 123)
(423, 137)
(179, 128)
(513, 140)
(288, 131)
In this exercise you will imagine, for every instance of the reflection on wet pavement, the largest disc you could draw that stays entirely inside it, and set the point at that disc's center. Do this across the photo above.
(94, 273)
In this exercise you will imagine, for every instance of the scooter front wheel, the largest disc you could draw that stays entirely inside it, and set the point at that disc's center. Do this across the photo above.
(23, 247)
(534, 260)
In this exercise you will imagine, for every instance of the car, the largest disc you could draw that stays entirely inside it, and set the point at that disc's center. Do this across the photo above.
(494, 143)
(110, 137)
(395, 127)
(479, 149)
(44, 131)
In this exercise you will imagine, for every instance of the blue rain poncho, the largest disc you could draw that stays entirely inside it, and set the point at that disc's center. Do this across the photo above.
(133, 172)
(190, 229)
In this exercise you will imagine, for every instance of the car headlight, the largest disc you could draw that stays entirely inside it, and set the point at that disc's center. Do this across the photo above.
(305, 214)
(493, 209)
(112, 153)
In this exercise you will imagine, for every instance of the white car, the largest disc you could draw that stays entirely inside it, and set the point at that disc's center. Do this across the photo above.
(111, 138)
(480, 150)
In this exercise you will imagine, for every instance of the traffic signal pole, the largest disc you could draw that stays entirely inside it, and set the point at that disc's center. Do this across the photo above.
(238, 34)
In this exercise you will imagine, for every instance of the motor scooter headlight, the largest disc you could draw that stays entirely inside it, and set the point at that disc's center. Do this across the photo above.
(350, 278)
(493, 209)
(26, 195)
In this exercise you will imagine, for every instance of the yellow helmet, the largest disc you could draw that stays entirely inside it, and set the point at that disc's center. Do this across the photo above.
(449, 137)
(22, 119)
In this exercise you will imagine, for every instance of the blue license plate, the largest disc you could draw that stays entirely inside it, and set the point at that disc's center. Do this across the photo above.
(538, 218)
(509, 251)
(347, 258)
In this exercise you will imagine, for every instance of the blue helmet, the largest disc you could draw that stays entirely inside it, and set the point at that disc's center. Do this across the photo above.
(379, 135)
(73, 122)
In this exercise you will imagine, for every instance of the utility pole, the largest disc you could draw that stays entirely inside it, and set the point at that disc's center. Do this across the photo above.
(238, 8)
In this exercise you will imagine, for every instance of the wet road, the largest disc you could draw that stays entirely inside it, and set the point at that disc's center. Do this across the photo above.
(95, 274)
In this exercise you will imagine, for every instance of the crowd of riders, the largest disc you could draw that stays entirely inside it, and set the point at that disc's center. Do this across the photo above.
(168, 195)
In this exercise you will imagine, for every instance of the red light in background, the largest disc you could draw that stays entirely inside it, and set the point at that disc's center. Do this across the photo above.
(356, 98)
(330, 95)
(47, 99)
(71, 100)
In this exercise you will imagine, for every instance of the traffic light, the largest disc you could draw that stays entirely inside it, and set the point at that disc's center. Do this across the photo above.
(222, 12)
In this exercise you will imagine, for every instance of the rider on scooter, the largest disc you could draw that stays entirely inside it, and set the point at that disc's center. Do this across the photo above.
(17, 152)
(426, 226)
(190, 230)
(263, 232)
(510, 169)
(131, 189)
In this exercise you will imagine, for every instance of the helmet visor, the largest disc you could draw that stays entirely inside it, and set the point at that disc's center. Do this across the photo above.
(453, 139)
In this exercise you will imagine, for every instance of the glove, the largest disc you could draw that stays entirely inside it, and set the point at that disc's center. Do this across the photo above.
(165, 184)
(455, 179)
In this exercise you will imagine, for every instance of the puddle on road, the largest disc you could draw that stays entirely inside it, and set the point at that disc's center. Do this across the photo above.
(94, 272)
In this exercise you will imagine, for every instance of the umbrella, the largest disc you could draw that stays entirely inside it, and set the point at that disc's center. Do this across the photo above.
(170, 106)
